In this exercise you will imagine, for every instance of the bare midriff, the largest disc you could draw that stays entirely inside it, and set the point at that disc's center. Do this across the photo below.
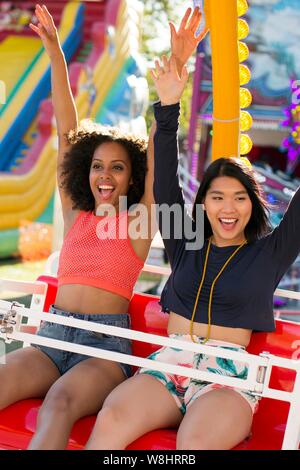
(86, 299)
(180, 325)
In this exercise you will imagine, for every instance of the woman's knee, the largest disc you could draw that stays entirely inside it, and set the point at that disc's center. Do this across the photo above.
(57, 402)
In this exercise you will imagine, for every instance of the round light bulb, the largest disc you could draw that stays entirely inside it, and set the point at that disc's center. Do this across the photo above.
(243, 29)
(246, 121)
(245, 144)
(245, 98)
(245, 74)
(242, 7)
(243, 51)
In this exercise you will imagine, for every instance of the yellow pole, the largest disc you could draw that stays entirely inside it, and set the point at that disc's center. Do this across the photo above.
(222, 16)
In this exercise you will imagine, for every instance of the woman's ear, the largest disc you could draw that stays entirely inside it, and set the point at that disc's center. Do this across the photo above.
(203, 206)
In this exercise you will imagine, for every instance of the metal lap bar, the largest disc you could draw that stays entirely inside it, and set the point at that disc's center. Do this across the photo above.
(132, 360)
(259, 373)
(38, 289)
(289, 294)
(26, 287)
(252, 360)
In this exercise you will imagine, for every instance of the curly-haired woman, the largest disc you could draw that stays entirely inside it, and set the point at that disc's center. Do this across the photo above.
(97, 166)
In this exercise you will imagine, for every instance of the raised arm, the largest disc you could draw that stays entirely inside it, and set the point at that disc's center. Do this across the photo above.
(169, 87)
(62, 98)
(148, 198)
(141, 245)
(167, 190)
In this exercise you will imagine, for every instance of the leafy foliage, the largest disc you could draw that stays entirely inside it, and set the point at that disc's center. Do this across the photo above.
(157, 14)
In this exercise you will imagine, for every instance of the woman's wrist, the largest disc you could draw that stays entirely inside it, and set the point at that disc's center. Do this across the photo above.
(56, 53)
(169, 103)
(179, 64)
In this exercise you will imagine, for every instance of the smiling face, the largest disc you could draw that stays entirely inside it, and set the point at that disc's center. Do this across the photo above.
(110, 174)
(228, 208)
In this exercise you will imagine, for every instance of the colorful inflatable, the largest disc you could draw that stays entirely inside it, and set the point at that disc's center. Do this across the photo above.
(111, 29)
(273, 375)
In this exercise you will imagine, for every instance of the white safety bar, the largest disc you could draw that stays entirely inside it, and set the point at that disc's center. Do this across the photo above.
(259, 367)
(27, 287)
(37, 289)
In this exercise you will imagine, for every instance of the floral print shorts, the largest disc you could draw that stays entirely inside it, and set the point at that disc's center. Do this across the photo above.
(186, 390)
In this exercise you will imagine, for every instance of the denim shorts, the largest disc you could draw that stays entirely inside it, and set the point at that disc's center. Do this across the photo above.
(65, 360)
(186, 390)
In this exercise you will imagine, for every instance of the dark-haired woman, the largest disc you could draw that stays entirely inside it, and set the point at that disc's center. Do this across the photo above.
(216, 295)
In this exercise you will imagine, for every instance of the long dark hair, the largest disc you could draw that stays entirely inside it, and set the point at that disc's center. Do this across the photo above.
(258, 224)
(75, 168)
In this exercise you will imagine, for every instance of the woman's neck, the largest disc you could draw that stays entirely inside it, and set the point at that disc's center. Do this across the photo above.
(219, 242)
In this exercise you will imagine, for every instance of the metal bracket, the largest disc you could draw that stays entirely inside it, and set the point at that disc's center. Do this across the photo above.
(10, 321)
(261, 375)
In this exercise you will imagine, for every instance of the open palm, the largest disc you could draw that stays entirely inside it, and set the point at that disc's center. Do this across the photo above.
(46, 29)
(184, 41)
(169, 85)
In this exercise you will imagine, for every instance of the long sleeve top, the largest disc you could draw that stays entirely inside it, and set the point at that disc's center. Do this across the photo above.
(243, 295)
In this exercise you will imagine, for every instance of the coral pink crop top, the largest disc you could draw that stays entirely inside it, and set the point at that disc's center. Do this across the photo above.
(97, 252)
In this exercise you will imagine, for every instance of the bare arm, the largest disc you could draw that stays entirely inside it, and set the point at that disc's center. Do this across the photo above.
(141, 245)
(167, 191)
(63, 103)
(148, 198)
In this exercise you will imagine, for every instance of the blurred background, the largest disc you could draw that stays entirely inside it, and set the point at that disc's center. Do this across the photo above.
(110, 46)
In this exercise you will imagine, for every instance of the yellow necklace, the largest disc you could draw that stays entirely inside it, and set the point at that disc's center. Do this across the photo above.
(211, 289)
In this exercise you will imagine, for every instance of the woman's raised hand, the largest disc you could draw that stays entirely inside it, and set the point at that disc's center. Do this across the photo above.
(169, 85)
(46, 30)
(184, 41)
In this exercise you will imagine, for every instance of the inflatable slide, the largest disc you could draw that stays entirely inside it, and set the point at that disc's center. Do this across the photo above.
(95, 36)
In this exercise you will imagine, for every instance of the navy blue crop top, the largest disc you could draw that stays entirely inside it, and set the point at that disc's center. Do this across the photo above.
(243, 295)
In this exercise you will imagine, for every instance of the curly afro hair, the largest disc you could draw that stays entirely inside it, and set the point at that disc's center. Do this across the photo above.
(75, 168)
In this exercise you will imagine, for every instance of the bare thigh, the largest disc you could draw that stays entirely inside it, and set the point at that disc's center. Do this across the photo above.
(27, 373)
(217, 420)
(83, 389)
(139, 405)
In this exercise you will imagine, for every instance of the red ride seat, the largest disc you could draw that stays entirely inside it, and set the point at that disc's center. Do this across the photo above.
(18, 422)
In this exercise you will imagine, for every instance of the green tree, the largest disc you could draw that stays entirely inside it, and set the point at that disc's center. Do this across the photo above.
(157, 13)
